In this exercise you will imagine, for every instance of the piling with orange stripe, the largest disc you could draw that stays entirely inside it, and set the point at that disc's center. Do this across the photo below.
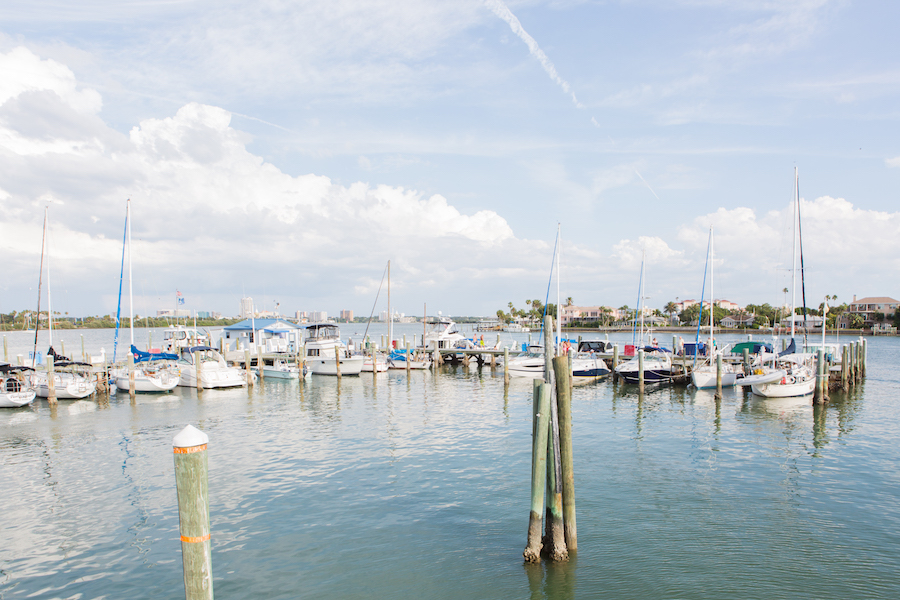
(191, 480)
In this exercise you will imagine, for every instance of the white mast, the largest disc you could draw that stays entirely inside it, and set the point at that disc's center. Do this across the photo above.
(641, 298)
(712, 297)
(130, 287)
(794, 250)
(558, 297)
(49, 306)
(390, 316)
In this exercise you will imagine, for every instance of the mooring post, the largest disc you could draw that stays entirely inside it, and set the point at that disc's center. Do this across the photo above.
(865, 355)
(408, 354)
(641, 370)
(548, 348)
(131, 384)
(337, 362)
(62, 346)
(506, 366)
(746, 361)
(192, 484)
(374, 365)
(845, 367)
(540, 429)
(259, 364)
(51, 380)
(198, 364)
(718, 376)
(83, 355)
(562, 370)
(854, 367)
(247, 372)
(554, 526)
(615, 374)
(819, 396)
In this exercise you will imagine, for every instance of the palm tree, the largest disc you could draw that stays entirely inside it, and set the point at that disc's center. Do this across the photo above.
(569, 301)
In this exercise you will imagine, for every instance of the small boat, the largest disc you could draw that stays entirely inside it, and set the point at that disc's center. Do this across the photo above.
(381, 364)
(153, 372)
(281, 368)
(324, 348)
(657, 367)
(14, 388)
(398, 360)
(71, 380)
(214, 371)
(798, 378)
(588, 366)
(528, 364)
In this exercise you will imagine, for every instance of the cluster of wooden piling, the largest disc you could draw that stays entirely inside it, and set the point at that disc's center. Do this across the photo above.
(552, 469)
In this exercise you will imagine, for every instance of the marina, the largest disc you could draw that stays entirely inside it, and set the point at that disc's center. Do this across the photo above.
(417, 484)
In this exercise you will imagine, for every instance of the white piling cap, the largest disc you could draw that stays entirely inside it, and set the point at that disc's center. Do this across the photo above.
(189, 437)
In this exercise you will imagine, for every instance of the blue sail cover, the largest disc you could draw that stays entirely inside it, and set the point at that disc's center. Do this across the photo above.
(140, 356)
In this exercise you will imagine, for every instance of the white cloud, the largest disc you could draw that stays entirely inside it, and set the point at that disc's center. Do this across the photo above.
(892, 162)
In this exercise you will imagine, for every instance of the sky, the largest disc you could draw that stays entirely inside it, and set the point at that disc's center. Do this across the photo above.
(287, 150)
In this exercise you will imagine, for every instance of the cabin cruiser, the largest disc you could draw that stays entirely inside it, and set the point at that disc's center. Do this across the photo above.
(324, 349)
(214, 372)
(14, 388)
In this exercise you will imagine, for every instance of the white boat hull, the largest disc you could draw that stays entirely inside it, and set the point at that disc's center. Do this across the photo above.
(704, 378)
(327, 366)
(381, 365)
(278, 373)
(67, 386)
(784, 390)
(16, 399)
(212, 377)
(164, 381)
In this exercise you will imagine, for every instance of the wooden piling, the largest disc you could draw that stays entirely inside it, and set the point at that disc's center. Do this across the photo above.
(718, 377)
(562, 370)
(337, 362)
(248, 374)
(51, 380)
(83, 354)
(819, 395)
(540, 429)
(192, 484)
(408, 354)
(641, 370)
(259, 364)
(131, 385)
(854, 366)
(554, 525)
(845, 368)
(746, 361)
(5, 351)
(615, 374)
(548, 347)
(506, 366)
(865, 355)
(198, 368)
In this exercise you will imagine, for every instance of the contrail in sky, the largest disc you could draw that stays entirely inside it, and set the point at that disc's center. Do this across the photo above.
(501, 10)
(647, 184)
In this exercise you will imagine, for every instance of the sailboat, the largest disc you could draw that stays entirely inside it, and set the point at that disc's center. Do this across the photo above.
(152, 372)
(14, 389)
(71, 380)
(705, 375)
(657, 361)
(791, 373)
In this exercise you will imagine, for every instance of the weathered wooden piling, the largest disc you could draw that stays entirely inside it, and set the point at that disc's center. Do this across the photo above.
(845, 368)
(192, 484)
(408, 354)
(615, 374)
(718, 376)
(821, 382)
(198, 368)
(51, 380)
(548, 347)
(131, 384)
(506, 366)
(562, 369)
(247, 372)
(540, 429)
(641, 370)
(746, 361)
(337, 362)
(259, 364)
(554, 527)
(864, 357)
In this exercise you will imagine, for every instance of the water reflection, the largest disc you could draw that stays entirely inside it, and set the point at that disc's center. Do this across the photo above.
(552, 580)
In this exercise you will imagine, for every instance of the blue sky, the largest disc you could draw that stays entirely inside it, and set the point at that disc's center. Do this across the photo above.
(287, 150)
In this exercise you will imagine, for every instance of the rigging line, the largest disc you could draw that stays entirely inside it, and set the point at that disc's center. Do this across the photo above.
(549, 282)
(121, 275)
(374, 304)
(802, 274)
(37, 321)
(640, 293)
(702, 293)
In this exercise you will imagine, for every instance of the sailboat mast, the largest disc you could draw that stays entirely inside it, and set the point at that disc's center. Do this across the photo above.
(49, 306)
(794, 251)
(712, 296)
(558, 297)
(37, 320)
(390, 314)
(130, 287)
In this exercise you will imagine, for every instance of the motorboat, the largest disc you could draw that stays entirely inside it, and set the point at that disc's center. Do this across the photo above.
(153, 372)
(657, 366)
(281, 368)
(14, 387)
(214, 372)
(528, 364)
(324, 349)
(588, 366)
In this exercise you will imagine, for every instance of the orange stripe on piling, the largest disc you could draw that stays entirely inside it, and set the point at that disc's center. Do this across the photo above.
(195, 540)
(191, 449)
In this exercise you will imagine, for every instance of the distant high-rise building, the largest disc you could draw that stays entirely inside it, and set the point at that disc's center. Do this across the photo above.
(246, 308)
(347, 315)
(318, 316)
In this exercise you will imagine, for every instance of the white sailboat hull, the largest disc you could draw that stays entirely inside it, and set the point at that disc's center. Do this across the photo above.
(163, 381)
(67, 386)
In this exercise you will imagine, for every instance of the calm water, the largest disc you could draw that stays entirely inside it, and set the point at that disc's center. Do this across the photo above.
(419, 488)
